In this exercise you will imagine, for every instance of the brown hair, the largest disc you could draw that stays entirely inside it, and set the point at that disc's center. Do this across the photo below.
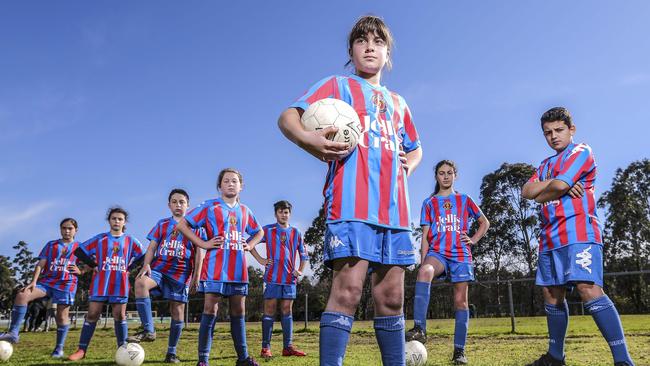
(118, 209)
(435, 172)
(557, 114)
(371, 24)
(229, 170)
(72, 221)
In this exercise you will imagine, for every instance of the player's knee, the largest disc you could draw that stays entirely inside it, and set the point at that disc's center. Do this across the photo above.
(461, 304)
(348, 296)
(426, 273)
(92, 316)
(588, 291)
(286, 309)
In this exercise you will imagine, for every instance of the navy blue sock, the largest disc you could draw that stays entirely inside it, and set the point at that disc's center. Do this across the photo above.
(267, 331)
(175, 330)
(460, 331)
(334, 336)
(557, 320)
(389, 331)
(606, 317)
(238, 332)
(287, 329)
(17, 316)
(61, 335)
(206, 330)
(121, 331)
(421, 304)
(87, 332)
(143, 305)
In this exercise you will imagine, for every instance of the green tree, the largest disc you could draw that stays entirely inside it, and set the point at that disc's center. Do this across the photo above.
(24, 263)
(627, 230)
(314, 239)
(7, 284)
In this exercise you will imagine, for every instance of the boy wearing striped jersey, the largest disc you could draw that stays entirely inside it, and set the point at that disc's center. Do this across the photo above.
(283, 244)
(570, 243)
(168, 271)
(55, 277)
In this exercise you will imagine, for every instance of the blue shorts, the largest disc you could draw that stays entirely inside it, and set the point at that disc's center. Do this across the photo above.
(454, 271)
(168, 288)
(110, 299)
(569, 264)
(376, 244)
(57, 296)
(224, 289)
(279, 291)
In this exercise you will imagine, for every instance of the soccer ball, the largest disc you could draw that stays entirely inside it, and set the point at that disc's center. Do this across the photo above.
(334, 112)
(130, 354)
(6, 350)
(416, 354)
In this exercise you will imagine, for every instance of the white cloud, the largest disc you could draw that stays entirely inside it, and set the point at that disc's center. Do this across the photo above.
(11, 218)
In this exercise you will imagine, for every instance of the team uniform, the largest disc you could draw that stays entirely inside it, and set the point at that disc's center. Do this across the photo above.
(224, 270)
(283, 246)
(571, 247)
(110, 281)
(448, 217)
(58, 284)
(367, 200)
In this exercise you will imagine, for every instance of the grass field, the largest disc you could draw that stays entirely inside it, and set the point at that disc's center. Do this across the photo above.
(490, 343)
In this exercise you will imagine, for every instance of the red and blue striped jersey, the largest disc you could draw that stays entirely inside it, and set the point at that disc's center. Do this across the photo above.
(369, 185)
(227, 264)
(448, 217)
(59, 256)
(113, 256)
(174, 255)
(567, 220)
(283, 245)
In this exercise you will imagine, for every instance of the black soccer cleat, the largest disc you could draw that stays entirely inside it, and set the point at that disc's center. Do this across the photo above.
(547, 360)
(250, 361)
(416, 334)
(459, 357)
(142, 336)
(171, 358)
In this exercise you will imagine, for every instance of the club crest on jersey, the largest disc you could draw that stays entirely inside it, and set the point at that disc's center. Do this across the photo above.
(446, 205)
(232, 220)
(548, 174)
(379, 102)
(116, 248)
(64, 250)
(283, 237)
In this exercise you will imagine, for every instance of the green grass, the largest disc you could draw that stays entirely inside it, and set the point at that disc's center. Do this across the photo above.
(490, 343)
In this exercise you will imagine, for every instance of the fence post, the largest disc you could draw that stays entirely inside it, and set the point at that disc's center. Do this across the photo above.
(306, 309)
(76, 317)
(187, 314)
(512, 308)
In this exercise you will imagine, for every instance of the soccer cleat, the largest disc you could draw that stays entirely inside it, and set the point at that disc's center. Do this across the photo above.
(78, 355)
(142, 336)
(202, 363)
(622, 363)
(250, 361)
(171, 358)
(57, 353)
(292, 351)
(547, 360)
(266, 353)
(416, 334)
(459, 357)
(9, 337)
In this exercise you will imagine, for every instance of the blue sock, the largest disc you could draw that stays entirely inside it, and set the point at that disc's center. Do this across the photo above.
(421, 304)
(460, 331)
(557, 319)
(61, 334)
(121, 331)
(334, 336)
(206, 330)
(86, 334)
(143, 305)
(389, 331)
(238, 332)
(606, 317)
(287, 329)
(267, 330)
(175, 330)
(17, 316)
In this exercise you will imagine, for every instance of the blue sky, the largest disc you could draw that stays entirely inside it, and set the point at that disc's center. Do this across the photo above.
(105, 103)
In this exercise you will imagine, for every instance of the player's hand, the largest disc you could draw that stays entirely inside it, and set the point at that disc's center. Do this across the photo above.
(72, 268)
(297, 273)
(215, 243)
(96, 270)
(28, 288)
(194, 287)
(403, 160)
(318, 144)
(145, 271)
(466, 239)
(577, 191)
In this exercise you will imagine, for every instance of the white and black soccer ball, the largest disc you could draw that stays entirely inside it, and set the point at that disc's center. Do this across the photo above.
(416, 354)
(334, 112)
(130, 354)
(6, 350)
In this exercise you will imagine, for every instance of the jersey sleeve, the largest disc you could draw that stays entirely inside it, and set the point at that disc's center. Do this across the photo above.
(410, 137)
(89, 247)
(252, 225)
(579, 162)
(198, 216)
(325, 88)
(301, 247)
(155, 234)
(426, 218)
(201, 233)
(137, 251)
(473, 209)
(44, 251)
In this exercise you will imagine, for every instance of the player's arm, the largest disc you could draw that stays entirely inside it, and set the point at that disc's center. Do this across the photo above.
(316, 142)
(424, 245)
(187, 232)
(85, 258)
(410, 160)
(148, 258)
(303, 264)
(252, 242)
(483, 226)
(261, 260)
(196, 272)
(558, 188)
(37, 272)
(531, 190)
